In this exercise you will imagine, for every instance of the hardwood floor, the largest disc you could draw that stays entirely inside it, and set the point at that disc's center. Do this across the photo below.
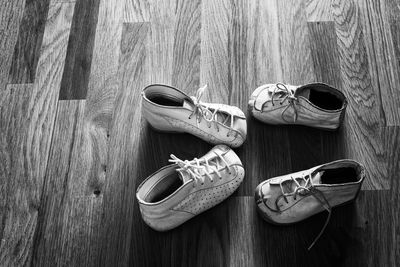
(74, 147)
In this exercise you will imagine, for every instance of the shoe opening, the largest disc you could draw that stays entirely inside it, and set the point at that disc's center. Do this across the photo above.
(164, 95)
(164, 188)
(324, 96)
(349, 173)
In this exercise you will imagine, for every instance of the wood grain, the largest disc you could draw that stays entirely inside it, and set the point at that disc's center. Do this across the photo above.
(383, 67)
(80, 49)
(26, 52)
(119, 197)
(10, 16)
(298, 69)
(318, 10)
(214, 68)
(64, 198)
(137, 11)
(69, 169)
(363, 120)
(20, 220)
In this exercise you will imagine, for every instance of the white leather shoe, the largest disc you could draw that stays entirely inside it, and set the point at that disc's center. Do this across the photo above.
(169, 109)
(316, 105)
(291, 198)
(178, 192)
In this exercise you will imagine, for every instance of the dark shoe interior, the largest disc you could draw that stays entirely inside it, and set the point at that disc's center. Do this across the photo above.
(166, 101)
(325, 100)
(164, 188)
(339, 176)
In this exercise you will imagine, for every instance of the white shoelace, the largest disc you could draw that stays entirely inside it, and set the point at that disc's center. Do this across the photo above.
(288, 94)
(208, 167)
(203, 112)
(308, 187)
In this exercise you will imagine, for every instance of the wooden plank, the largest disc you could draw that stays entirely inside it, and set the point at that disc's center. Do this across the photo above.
(298, 69)
(67, 221)
(325, 56)
(16, 218)
(187, 45)
(118, 197)
(10, 16)
(383, 66)
(161, 42)
(214, 68)
(19, 223)
(392, 137)
(318, 10)
(26, 53)
(363, 136)
(137, 11)
(80, 50)
(262, 65)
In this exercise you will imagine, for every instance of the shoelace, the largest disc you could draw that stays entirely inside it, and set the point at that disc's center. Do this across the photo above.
(280, 88)
(308, 187)
(196, 165)
(202, 111)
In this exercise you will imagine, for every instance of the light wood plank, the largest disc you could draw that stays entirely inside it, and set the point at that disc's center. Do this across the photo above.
(318, 10)
(383, 67)
(186, 49)
(214, 68)
(119, 196)
(362, 133)
(137, 11)
(63, 235)
(161, 42)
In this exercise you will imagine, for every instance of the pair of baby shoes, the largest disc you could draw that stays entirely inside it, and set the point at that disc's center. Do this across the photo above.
(180, 191)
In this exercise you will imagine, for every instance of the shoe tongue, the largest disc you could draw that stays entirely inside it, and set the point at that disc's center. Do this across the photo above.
(183, 175)
(188, 104)
(220, 116)
(304, 93)
(317, 177)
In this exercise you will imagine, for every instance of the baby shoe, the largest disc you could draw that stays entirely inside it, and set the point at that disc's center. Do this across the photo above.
(178, 192)
(168, 109)
(316, 105)
(294, 197)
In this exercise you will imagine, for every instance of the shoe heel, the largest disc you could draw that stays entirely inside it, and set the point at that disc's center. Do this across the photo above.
(159, 124)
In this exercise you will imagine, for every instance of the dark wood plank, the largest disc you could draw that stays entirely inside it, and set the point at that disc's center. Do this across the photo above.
(26, 52)
(80, 50)
(37, 114)
(363, 139)
(10, 16)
